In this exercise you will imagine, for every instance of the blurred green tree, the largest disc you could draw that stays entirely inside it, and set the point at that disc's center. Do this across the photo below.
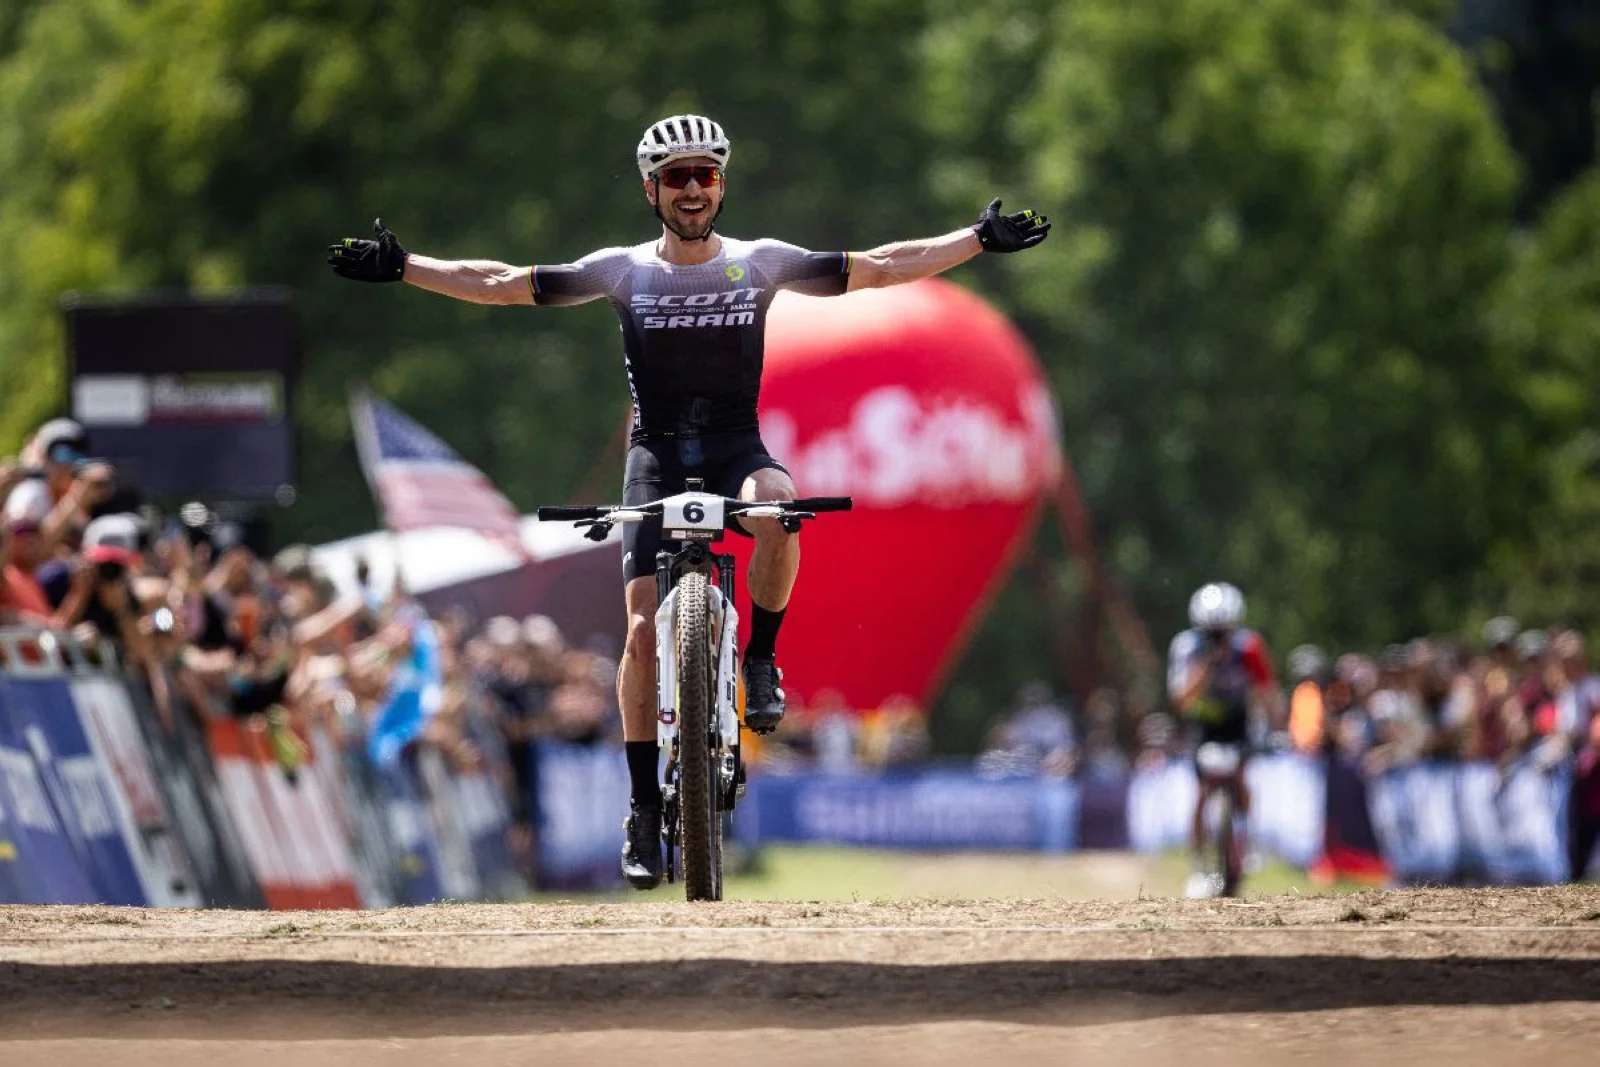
(1547, 325)
(209, 146)
(1294, 342)
(1277, 230)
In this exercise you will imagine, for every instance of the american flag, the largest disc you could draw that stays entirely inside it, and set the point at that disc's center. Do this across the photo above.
(420, 482)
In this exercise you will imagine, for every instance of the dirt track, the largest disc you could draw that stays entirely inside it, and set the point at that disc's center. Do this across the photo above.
(1458, 977)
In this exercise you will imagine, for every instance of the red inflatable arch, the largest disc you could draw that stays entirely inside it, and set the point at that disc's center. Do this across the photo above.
(927, 406)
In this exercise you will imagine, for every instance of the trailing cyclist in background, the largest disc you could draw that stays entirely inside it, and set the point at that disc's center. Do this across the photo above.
(1214, 669)
(693, 308)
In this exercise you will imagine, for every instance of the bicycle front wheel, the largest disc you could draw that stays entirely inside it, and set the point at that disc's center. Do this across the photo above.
(700, 807)
(1227, 850)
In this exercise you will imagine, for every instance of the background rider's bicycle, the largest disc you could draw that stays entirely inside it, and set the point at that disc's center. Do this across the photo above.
(697, 716)
(1221, 770)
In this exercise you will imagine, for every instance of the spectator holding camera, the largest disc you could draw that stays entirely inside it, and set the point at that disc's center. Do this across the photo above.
(59, 487)
(101, 602)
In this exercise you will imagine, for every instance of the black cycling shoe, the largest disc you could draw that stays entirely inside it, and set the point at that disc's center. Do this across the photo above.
(641, 852)
(763, 699)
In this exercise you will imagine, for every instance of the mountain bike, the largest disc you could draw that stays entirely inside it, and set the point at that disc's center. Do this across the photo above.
(697, 677)
(1221, 767)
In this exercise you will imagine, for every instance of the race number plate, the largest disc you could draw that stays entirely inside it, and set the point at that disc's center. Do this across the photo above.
(692, 515)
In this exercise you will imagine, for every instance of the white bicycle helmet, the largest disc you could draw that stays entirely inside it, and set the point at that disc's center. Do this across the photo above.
(680, 137)
(1218, 606)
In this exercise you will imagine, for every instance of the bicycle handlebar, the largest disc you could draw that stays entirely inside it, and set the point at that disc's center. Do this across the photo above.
(821, 503)
(602, 512)
(571, 512)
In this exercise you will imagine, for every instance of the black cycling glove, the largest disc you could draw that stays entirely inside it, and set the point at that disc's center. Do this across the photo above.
(1010, 233)
(381, 259)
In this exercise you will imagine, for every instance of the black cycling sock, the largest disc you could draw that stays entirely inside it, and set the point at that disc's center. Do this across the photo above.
(642, 772)
(763, 631)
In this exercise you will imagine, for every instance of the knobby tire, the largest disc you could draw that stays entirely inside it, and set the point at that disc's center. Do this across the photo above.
(700, 804)
(1227, 852)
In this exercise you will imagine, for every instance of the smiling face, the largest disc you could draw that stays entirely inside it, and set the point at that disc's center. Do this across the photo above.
(688, 211)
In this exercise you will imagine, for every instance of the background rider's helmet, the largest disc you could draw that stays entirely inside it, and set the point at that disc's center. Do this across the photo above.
(1500, 632)
(1217, 606)
(681, 137)
(1308, 663)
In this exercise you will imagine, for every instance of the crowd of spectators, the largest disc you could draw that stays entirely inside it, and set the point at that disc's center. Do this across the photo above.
(1524, 697)
(186, 606)
(1524, 694)
(215, 629)
(827, 734)
(1521, 696)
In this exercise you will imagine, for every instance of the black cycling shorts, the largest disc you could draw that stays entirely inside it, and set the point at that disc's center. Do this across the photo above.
(657, 469)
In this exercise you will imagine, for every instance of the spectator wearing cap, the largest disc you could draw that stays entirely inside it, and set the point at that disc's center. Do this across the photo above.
(61, 488)
(104, 586)
(21, 599)
(1530, 712)
(1500, 640)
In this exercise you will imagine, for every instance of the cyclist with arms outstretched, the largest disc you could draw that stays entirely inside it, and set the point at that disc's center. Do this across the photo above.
(1214, 670)
(693, 306)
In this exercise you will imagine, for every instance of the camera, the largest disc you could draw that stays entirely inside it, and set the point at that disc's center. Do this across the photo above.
(110, 570)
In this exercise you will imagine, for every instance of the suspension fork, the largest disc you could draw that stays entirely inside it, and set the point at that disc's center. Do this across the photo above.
(727, 689)
(667, 706)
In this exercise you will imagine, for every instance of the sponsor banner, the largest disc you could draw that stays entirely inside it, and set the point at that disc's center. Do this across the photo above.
(19, 873)
(411, 830)
(289, 829)
(481, 800)
(486, 819)
(1350, 848)
(79, 786)
(15, 885)
(247, 810)
(1472, 824)
(928, 810)
(347, 782)
(1103, 812)
(1287, 813)
(183, 770)
(47, 869)
(108, 719)
(190, 397)
(458, 871)
(319, 857)
(14, 882)
(1161, 800)
(582, 801)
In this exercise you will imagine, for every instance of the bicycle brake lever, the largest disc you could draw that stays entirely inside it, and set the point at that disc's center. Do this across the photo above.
(793, 521)
(598, 531)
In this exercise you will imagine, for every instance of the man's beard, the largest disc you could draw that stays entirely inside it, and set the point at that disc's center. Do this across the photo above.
(671, 223)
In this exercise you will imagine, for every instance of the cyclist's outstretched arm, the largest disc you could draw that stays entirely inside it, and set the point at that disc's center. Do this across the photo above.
(481, 281)
(382, 258)
(908, 261)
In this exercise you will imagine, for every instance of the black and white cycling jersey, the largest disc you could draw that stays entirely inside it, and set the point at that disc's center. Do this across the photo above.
(693, 336)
